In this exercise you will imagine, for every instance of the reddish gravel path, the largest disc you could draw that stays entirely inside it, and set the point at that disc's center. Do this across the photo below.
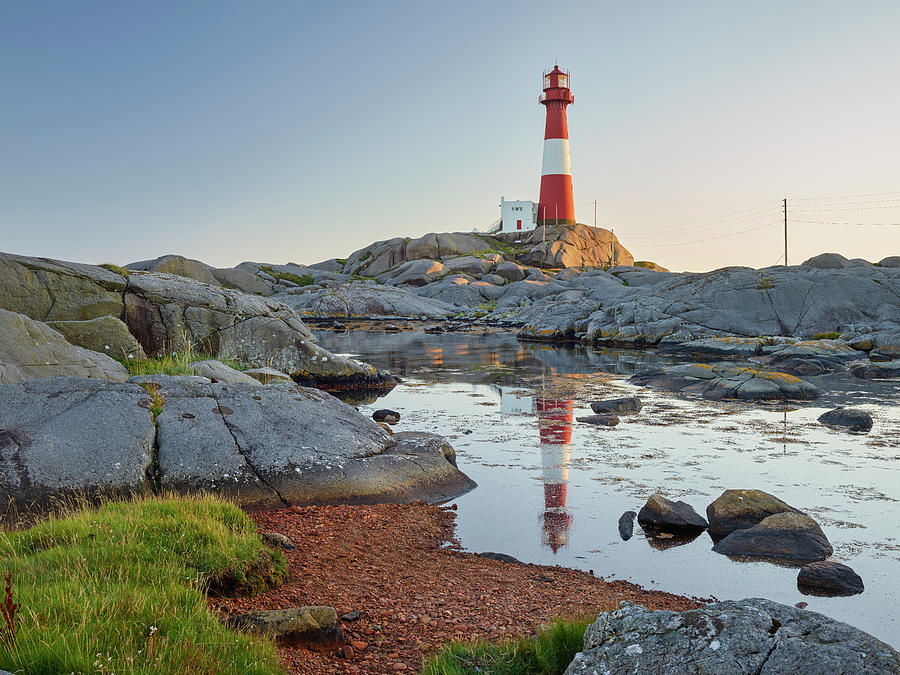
(414, 594)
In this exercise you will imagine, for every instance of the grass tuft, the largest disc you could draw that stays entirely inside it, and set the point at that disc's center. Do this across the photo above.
(117, 269)
(122, 589)
(832, 335)
(176, 363)
(548, 653)
(300, 280)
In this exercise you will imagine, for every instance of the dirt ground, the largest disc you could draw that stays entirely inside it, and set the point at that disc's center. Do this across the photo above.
(399, 566)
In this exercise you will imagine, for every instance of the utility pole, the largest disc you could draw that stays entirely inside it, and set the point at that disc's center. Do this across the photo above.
(785, 233)
(595, 213)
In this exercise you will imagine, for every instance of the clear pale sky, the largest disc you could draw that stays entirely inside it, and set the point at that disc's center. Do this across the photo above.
(299, 131)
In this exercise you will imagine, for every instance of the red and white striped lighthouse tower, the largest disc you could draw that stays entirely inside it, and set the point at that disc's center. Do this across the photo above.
(557, 205)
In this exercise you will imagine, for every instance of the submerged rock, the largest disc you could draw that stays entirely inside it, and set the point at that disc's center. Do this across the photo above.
(888, 370)
(629, 404)
(626, 525)
(599, 420)
(784, 536)
(853, 419)
(387, 416)
(305, 625)
(829, 578)
(734, 637)
(739, 509)
(665, 515)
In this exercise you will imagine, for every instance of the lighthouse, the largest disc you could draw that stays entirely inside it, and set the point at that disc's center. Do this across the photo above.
(557, 204)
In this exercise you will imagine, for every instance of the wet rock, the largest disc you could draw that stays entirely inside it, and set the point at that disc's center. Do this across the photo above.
(738, 509)
(666, 515)
(277, 540)
(304, 625)
(853, 419)
(888, 370)
(629, 404)
(626, 525)
(599, 420)
(734, 637)
(783, 536)
(338, 326)
(807, 357)
(724, 381)
(387, 416)
(267, 375)
(502, 557)
(31, 350)
(216, 371)
(829, 579)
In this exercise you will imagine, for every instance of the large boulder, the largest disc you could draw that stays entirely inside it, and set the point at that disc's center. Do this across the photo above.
(734, 637)
(783, 537)
(867, 370)
(284, 444)
(627, 404)
(242, 280)
(414, 273)
(105, 334)
(33, 350)
(216, 371)
(176, 264)
(556, 246)
(827, 261)
(66, 435)
(739, 509)
(259, 446)
(468, 264)
(725, 381)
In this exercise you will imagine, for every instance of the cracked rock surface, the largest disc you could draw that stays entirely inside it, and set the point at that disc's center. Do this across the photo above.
(732, 637)
(258, 445)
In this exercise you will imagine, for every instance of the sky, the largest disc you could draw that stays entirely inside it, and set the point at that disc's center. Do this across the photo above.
(300, 131)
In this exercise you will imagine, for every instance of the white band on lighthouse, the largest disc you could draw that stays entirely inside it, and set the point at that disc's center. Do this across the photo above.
(556, 157)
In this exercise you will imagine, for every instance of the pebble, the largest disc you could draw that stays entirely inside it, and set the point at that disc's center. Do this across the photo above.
(398, 666)
(359, 645)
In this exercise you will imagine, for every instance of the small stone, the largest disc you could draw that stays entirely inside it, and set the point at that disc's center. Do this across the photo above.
(801, 605)
(348, 652)
(296, 624)
(388, 416)
(359, 645)
(398, 666)
(352, 615)
(626, 525)
(277, 540)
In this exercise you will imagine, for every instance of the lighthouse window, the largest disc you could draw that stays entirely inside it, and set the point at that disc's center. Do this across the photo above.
(547, 82)
(563, 81)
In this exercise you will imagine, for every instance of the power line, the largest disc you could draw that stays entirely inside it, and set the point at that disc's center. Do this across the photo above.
(729, 222)
(724, 236)
(828, 222)
(861, 208)
(871, 194)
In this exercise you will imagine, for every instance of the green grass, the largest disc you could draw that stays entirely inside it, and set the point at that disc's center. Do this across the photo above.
(300, 280)
(549, 653)
(115, 268)
(643, 263)
(122, 588)
(833, 335)
(176, 363)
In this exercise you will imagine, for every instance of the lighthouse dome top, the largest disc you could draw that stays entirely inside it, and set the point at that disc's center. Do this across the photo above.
(556, 78)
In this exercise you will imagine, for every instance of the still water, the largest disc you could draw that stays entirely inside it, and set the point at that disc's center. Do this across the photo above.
(551, 489)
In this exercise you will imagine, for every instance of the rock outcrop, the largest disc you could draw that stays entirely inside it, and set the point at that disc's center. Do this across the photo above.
(258, 445)
(734, 637)
(853, 419)
(727, 381)
(30, 350)
(740, 509)
(365, 300)
(167, 312)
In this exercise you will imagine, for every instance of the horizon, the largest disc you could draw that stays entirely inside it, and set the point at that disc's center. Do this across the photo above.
(206, 131)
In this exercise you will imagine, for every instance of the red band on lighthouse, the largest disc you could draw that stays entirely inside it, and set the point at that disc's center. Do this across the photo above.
(557, 203)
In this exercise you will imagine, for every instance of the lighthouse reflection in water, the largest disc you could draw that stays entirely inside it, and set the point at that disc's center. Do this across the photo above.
(555, 428)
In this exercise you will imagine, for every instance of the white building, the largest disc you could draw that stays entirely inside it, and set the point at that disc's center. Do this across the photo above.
(518, 216)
